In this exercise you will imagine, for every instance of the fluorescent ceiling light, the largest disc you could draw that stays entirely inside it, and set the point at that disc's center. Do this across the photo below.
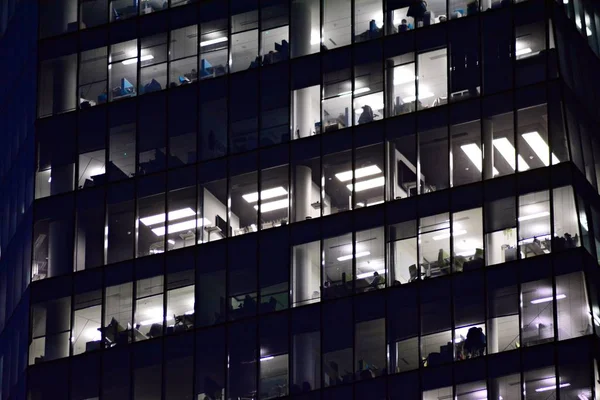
(446, 235)
(134, 60)
(422, 96)
(539, 146)
(357, 91)
(173, 215)
(369, 184)
(506, 149)
(357, 255)
(547, 299)
(267, 358)
(273, 205)
(473, 151)
(360, 173)
(534, 216)
(369, 274)
(553, 387)
(213, 41)
(265, 194)
(523, 51)
(181, 226)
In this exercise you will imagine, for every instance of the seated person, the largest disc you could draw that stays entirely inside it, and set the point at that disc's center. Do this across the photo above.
(377, 281)
(366, 116)
(403, 27)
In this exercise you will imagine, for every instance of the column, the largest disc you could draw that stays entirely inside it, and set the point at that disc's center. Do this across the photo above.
(306, 360)
(64, 84)
(57, 325)
(58, 247)
(488, 148)
(389, 88)
(302, 193)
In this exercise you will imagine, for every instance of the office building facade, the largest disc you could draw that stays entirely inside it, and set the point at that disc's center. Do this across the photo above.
(309, 199)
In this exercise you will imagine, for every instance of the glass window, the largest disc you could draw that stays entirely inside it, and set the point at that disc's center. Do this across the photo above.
(244, 41)
(437, 349)
(56, 156)
(337, 100)
(90, 220)
(243, 104)
(275, 106)
(403, 330)
(537, 324)
(464, 56)
(179, 367)
(530, 52)
(368, 20)
(244, 202)
(87, 319)
(435, 394)
(274, 371)
(242, 363)
(211, 363)
(368, 93)
(119, 231)
(542, 380)
(306, 281)
(566, 231)
(370, 353)
(92, 13)
(122, 148)
(507, 387)
(182, 127)
(122, 70)
(501, 231)
(499, 138)
(337, 342)
(467, 157)
(434, 244)
(93, 75)
(57, 85)
(53, 240)
(210, 284)
(305, 112)
(534, 224)
(149, 6)
(467, 240)
(147, 371)
(214, 58)
(152, 143)
(180, 301)
(272, 273)
(151, 224)
(433, 166)
(337, 182)
(402, 256)
(403, 99)
(336, 23)
(51, 323)
(275, 42)
(305, 34)
(503, 311)
(468, 391)
(462, 8)
(368, 161)
(213, 120)
(573, 310)
(306, 351)
(149, 308)
(306, 179)
(497, 37)
(533, 138)
(242, 278)
(153, 62)
(432, 81)
(122, 9)
(402, 166)
(338, 255)
(273, 205)
(183, 217)
(118, 315)
(369, 256)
